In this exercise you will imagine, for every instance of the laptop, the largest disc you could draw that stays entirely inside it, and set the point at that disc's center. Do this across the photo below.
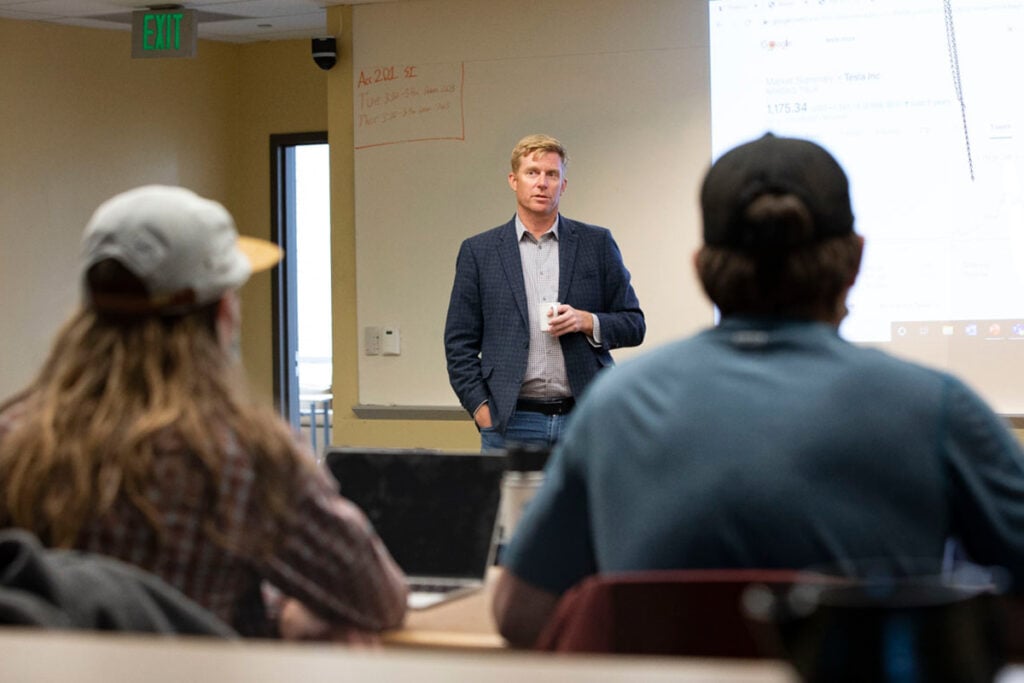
(436, 511)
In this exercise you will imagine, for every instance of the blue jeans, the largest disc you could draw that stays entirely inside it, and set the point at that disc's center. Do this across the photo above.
(526, 428)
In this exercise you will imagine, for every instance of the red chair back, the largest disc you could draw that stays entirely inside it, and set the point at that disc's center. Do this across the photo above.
(691, 612)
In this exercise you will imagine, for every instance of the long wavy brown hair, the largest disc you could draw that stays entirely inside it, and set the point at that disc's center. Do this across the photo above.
(111, 389)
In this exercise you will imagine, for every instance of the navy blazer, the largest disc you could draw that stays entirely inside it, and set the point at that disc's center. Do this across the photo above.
(487, 335)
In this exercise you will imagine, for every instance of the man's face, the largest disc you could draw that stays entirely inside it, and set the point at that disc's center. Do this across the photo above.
(539, 183)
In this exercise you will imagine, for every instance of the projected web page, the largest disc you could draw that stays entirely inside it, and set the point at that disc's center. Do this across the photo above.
(919, 101)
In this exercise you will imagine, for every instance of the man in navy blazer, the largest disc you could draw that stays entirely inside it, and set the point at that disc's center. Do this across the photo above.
(536, 306)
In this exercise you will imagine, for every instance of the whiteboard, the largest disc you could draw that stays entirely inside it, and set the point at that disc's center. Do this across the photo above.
(443, 89)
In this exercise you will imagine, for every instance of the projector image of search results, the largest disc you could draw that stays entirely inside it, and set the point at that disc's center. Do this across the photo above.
(967, 331)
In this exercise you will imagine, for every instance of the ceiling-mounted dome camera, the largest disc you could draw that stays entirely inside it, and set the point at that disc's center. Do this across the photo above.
(325, 52)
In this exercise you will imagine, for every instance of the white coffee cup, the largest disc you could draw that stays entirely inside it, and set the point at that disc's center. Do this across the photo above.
(543, 311)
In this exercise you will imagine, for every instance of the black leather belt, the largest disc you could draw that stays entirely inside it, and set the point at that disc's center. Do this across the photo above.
(552, 406)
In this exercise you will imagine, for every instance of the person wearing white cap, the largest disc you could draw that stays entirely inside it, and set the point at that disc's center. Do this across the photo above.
(138, 439)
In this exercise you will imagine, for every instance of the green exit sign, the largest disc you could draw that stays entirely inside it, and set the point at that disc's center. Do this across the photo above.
(164, 33)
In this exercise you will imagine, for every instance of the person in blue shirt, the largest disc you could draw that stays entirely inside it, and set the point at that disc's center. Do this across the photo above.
(767, 441)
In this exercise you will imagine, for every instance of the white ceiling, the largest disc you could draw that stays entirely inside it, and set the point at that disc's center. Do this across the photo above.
(233, 21)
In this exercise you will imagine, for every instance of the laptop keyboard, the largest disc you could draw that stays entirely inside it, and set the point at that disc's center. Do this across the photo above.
(433, 587)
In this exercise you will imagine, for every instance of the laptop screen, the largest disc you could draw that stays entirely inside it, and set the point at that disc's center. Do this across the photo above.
(435, 511)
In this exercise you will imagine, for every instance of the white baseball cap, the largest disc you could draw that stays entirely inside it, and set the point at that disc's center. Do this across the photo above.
(184, 248)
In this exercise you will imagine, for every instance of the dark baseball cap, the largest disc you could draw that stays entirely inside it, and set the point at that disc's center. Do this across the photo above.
(777, 166)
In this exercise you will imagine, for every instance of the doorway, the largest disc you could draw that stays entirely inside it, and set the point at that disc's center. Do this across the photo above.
(303, 347)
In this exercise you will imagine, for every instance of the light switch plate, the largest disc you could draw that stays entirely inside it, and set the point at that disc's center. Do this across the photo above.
(371, 340)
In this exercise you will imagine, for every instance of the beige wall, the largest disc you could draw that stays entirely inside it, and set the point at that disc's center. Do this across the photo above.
(80, 121)
(278, 90)
(348, 429)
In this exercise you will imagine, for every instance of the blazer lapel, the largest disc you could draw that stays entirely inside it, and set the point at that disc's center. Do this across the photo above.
(568, 243)
(512, 264)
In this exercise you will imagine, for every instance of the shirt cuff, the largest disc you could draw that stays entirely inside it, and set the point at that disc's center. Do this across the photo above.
(595, 337)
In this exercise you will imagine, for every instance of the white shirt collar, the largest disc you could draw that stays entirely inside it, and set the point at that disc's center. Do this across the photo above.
(521, 228)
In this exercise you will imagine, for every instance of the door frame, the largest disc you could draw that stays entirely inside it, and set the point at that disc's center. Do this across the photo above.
(283, 285)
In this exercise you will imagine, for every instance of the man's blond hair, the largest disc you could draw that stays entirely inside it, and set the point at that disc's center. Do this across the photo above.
(533, 144)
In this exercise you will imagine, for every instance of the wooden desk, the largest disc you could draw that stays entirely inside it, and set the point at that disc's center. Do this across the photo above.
(465, 627)
(464, 623)
(35, 656)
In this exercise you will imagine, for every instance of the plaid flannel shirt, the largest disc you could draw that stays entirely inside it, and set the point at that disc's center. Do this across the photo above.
(330, 559)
